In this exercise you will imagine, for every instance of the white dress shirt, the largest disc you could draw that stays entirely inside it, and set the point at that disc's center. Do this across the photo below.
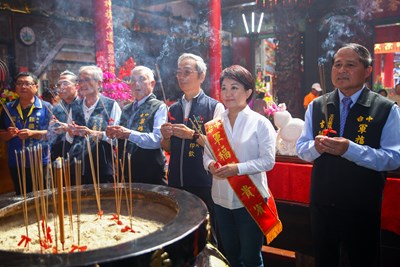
(253, 139)
(187, 105)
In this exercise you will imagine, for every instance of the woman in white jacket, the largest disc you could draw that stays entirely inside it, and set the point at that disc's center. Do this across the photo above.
(251, 138)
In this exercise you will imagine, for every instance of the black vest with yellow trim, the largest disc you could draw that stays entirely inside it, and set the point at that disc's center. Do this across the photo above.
(98, 121)
(337, 181)
(147, 165)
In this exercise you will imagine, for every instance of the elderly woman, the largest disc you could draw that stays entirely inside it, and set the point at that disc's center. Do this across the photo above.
(241, 148)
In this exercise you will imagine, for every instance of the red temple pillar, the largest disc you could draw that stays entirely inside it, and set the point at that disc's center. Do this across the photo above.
(104, 35)
(215, 54)
(377, 68)
(389, 66)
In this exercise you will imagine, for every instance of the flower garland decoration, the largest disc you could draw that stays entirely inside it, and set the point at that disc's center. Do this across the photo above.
(272, 107)
(7, 95)
(115, 88)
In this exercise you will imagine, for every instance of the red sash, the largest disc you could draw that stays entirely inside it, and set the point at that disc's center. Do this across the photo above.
(263, 212)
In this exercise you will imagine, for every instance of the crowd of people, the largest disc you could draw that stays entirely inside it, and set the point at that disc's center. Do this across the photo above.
(221, 151)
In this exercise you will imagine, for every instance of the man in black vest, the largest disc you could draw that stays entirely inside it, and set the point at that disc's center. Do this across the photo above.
(66, 112)
(185, 169)
(351, 134)
(97, 112)
(139, 130)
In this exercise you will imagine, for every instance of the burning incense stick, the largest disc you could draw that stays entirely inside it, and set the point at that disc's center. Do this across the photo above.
(60, 199)
(64, 109)
(67, 178)
(130, 211)
(19, 175)
(8, 114)
(322, 80)
(23, 192)
(97, 161)
(78, 176)
(96, 187)
(42, 198)
(55, 210)
(115, 176)
(161, 84)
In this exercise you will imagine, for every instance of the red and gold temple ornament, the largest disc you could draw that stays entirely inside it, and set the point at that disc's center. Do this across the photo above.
(263, 212)
(386, 48)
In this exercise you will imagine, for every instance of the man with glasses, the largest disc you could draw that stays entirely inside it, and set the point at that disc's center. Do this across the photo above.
(98, 112)
(23, 124)
(139, 130)
(66, 112)
(181, 140)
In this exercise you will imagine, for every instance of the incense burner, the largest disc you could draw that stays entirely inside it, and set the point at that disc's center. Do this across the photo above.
(183, 235)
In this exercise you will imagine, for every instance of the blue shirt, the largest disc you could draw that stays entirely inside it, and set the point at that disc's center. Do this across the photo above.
(38, 118)
(386, 158)
(151, 140)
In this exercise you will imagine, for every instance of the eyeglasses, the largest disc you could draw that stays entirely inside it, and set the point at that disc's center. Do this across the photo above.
(22, 84)
(86, 80)
(184, 73)
(141, 80)
(64, 84)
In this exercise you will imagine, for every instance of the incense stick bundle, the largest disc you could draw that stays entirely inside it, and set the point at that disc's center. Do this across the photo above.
(31, 154)
(204, 139)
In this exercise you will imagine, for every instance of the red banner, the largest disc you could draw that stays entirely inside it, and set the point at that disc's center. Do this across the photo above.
(104, 35)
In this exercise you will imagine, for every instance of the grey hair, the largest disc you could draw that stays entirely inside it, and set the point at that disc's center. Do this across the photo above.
(201, 67)
(362, 52)
(69, 73)
(146, 70)
(94, 71)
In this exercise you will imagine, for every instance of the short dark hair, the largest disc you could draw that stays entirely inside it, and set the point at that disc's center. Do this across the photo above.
(362, 52)
(27, 74)
(241, 75)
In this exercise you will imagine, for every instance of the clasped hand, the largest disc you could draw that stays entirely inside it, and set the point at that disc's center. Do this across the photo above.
(332, 145)
(223, 172)
(117, 131)
(179, 130)
(21, 133)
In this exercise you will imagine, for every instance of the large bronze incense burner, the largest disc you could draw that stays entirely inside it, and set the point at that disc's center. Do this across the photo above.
(183, 235)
